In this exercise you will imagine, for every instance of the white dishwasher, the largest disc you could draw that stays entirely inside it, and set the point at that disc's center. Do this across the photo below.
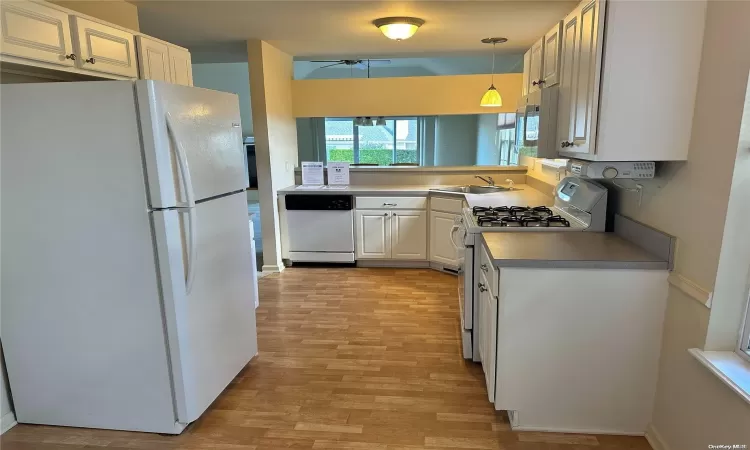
(320, 227)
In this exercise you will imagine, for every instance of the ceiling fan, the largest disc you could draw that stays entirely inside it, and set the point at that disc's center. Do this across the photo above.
(362, 64)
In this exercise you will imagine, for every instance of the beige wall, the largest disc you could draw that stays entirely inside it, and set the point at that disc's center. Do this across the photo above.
(410, 96)
(117, 12)
(693, 408)
(275, 130)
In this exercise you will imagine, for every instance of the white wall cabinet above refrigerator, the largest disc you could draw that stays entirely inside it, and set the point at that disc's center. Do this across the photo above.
(48, 41)
(628, 80)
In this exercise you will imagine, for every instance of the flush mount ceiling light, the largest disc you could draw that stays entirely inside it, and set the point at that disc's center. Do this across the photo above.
(398, 28)
(492, 98)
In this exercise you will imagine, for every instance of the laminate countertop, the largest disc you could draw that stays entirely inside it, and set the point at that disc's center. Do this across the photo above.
(568, 250)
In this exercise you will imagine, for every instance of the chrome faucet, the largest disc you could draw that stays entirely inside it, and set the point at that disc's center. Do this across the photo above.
(487, 180)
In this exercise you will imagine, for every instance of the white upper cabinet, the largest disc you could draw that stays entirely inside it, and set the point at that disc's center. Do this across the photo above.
(153, 59)
(580, 68)
(373, 234)
(409, 235)
(551, 60)
(536, 59)
(526, 73)
(608, 108)
(39, 37)
(36, 32)
(103, 48)
(181, 66)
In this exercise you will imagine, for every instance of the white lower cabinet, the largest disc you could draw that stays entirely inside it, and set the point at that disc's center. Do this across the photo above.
(387, 234)
(373, 234)
(488, 334)
(442, 249)
(409, 235)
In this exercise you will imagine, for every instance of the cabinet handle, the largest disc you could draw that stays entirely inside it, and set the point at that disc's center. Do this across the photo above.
(484, 267)
(90, 60)
(394, 214)
(385, 214)
(389, 204)
(538, 82)
(482, 287)
(71, 56)
(565, 144)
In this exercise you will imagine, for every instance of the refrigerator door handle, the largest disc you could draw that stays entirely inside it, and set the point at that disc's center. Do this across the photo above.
(182, 162)
(189, 206)
(192, 248)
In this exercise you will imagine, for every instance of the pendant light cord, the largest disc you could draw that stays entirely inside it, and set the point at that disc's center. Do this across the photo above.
(493, 64)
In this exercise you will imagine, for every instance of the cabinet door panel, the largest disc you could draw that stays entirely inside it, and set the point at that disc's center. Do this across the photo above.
(568, 83)
(535, 68)
(441, 247)
(180, 66)
(409, 235)
(35, 32)
(586, 91)
(526, 73)
(153, 59)
(373, 234)
(551, 66)
(102, 48)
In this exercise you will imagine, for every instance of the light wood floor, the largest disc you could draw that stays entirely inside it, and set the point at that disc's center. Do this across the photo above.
(349, 359)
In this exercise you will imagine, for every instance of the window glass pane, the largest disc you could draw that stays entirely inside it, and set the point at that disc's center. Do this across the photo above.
(339, 140)
(376, 143)
(407, 148)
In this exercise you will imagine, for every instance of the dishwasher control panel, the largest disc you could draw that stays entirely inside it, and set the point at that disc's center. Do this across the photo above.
(312, 202)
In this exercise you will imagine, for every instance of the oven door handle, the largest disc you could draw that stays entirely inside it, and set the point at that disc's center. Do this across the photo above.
(454, 228)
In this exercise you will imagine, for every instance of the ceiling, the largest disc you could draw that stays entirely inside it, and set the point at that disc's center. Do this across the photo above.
(216, 31)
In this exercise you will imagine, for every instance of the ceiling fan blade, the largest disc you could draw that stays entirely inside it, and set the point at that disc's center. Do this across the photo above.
(379, 62)
(331, 65)
(326, 60)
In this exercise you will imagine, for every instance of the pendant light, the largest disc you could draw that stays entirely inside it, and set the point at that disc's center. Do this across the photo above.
(381, 121)
(492, 98)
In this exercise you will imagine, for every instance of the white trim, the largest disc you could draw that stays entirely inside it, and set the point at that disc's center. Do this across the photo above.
(654, 438)
(729, 367)
(577, 431)
(271, 268)
(691, 288)
(7, 422)
(397, 263)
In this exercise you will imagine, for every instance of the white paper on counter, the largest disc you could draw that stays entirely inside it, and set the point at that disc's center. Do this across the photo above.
(338, 173)
(309, 188)
(337, 188)
(312, 173)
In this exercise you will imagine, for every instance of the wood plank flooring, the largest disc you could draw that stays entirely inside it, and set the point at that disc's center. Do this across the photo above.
(349, 359)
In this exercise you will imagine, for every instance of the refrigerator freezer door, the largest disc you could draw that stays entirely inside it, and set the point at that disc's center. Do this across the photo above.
(205, 133)
(82, 322)
(211, 329)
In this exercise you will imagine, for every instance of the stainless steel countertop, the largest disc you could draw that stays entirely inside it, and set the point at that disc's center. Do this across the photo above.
(584, 250)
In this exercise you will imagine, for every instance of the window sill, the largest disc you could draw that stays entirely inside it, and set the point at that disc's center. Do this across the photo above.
(731, 369)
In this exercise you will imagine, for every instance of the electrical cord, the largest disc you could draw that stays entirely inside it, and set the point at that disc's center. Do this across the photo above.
(638, 188)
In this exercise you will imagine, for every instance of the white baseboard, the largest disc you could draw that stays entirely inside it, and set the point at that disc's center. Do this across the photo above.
(7, 422)
(654, 439)
(554, 429)
(271, 268)
(395, 263)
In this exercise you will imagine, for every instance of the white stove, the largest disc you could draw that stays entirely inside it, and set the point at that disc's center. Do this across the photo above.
(580, 205)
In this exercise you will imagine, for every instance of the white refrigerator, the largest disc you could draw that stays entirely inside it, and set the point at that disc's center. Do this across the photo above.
(127, 278)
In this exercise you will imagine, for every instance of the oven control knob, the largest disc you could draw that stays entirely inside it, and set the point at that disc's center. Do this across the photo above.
(610, 172)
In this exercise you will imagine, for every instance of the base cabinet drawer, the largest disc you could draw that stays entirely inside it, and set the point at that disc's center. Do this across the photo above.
(391, 202)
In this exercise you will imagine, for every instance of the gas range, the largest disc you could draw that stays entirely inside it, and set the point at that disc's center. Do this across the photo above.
(519, 216)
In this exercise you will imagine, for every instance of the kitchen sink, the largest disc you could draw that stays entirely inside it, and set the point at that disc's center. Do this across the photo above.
(474, 189)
